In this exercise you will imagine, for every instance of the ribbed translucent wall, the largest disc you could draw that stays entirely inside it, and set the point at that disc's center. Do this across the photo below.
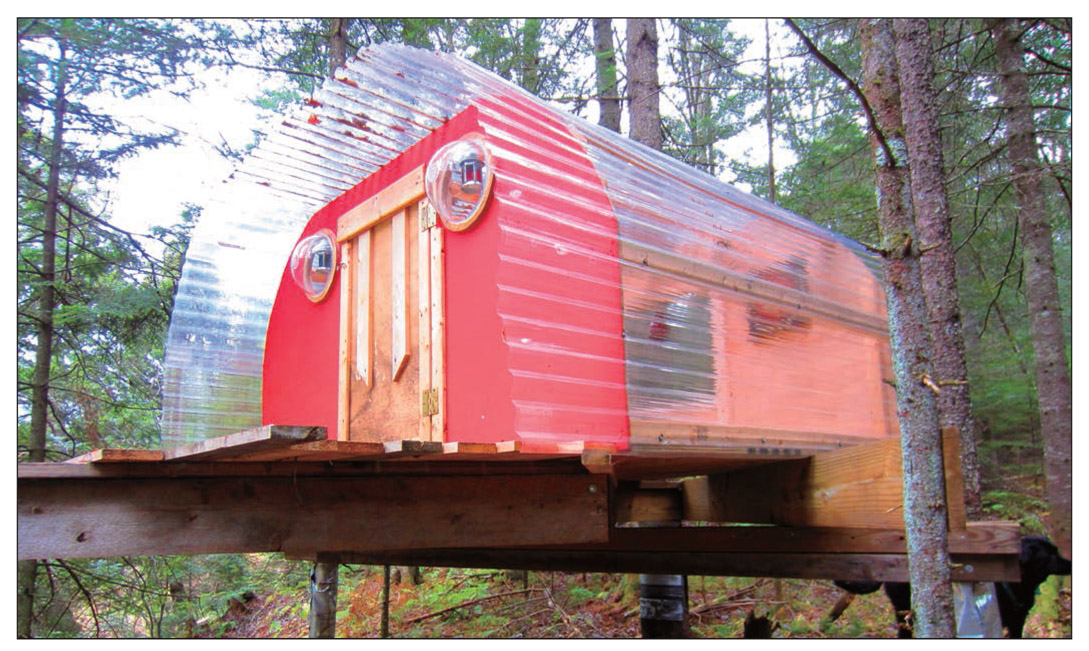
(738, 313)
(586, 215)
(353, 126)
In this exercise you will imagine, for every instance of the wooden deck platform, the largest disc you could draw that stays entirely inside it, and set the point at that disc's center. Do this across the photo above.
(834, 514)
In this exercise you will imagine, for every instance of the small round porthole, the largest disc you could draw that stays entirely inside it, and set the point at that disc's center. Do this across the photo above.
(313, 264)
(458, 182)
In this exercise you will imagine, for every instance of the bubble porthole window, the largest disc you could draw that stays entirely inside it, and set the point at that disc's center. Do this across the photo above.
(313, 264)
(458, 182)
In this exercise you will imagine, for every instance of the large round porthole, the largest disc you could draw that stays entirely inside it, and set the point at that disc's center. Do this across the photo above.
(458, 182)
(313, 264)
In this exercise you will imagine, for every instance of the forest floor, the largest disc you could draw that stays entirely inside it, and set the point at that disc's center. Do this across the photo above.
(491, 604)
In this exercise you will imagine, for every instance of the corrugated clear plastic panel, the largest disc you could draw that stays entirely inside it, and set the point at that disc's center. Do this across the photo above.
(215, 344)
(355, 124)
(739, 314)
(625, 277)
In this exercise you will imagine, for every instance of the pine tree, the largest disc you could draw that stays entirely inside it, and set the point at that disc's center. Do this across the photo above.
(1049, 345)
(924, 504)
(643, 88)
(92, 301)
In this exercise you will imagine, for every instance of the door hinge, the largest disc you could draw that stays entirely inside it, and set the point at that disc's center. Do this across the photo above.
(429, 402)
(427, 215)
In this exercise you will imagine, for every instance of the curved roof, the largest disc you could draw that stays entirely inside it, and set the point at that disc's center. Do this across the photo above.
(385, 100)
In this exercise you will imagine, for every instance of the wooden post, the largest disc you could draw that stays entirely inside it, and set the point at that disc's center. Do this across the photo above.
(323, 600)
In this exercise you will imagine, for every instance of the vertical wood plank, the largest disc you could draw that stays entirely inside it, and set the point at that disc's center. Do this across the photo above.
(954, 480)
(438, 334)
(345, 358)
(399, 298)
(423, 270)
(363, 336)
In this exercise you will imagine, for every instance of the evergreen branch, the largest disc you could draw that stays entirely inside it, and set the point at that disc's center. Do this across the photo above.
(74, 205)
(890, 158)
(1055, 64)
(979, 222)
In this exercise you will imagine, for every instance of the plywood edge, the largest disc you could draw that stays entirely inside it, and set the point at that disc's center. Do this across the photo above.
(118, 455)
(248, 441)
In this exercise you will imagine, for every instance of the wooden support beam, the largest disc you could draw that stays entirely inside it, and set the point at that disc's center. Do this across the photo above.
(855, 567)
(954, 480)
(978, 538)
(647, 502)
(859, 486)
(69, 518)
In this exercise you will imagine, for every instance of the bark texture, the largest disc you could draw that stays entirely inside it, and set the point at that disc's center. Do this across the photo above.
(925, 512)
(323, 600)
(770, 125)
(1053, 387)
(338, 43)
(643, 89)
(937, 264)
(608, 98)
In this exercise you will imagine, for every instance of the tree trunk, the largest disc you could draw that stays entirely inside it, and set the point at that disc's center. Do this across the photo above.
(383, 624)
(39, 409)
(642, 60)
(768, 111)
(323, 600)
(27, 574)
(608, 98)
(924, 490)
(338, 43)
(1053, 388)
(27, 571)
(938, 264)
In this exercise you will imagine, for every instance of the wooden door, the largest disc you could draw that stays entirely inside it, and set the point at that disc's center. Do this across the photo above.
(391, 347)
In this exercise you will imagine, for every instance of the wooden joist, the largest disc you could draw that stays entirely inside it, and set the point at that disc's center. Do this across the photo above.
(120, 516)
(804, 565)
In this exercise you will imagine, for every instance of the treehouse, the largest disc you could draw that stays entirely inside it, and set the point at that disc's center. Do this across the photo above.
(427, 253)
(433, 320)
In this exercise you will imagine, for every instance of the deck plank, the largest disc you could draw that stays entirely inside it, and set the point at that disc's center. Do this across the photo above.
(244, 443)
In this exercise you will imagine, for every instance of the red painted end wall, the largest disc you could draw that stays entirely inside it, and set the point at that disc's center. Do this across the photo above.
(302, 341)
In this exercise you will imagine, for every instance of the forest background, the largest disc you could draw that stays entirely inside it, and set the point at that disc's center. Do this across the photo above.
(94, 293)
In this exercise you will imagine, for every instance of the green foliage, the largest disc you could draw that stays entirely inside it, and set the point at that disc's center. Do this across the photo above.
(112, 291)
(709, 96)
(832, 183)
(1019, 507)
